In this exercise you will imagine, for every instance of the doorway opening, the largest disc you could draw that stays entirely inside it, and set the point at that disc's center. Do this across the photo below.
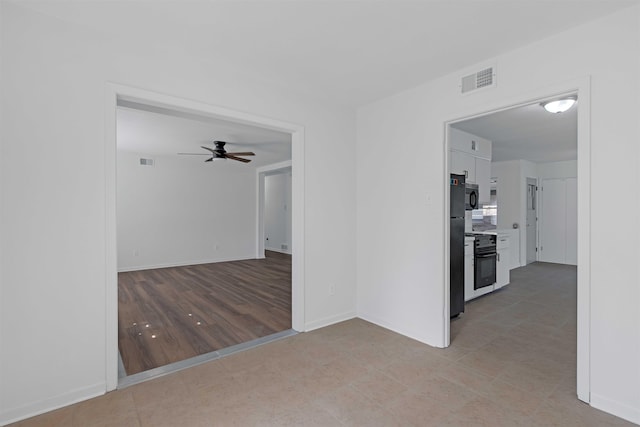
(237, 224)
(512, 184)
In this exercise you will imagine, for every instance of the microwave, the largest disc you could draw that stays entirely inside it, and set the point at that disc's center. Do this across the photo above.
(471, 197)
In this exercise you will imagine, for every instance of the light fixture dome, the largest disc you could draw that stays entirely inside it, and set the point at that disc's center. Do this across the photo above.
(559, 105)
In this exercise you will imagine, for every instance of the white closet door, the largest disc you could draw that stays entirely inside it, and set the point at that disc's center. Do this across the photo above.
(553, 221)
(571, 256)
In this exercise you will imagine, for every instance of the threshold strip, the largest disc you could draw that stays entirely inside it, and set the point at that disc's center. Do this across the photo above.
(127, 381)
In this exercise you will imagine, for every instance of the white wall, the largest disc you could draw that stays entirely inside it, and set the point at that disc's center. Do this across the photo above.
(510, 188)
(53, 217)
(400, 219)
(277, 212)
(565, 169)
(183, 211)
(512, 179)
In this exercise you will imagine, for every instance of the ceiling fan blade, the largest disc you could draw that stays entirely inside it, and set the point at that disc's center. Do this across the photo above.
(209, 160)
(240, 159)
(246, 153)
(210, 149)
(194, 154)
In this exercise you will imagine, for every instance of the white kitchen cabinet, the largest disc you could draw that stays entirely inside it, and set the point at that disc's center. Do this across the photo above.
(503, 263)
(470, 155)
(475, 169)
(463, 164)
(468, 143)
(468, 270)
(483, 179)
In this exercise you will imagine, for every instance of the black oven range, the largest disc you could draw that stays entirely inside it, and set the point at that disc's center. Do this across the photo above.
(485, 254)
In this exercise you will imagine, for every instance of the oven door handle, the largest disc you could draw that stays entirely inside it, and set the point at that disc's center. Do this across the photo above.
(486, 256)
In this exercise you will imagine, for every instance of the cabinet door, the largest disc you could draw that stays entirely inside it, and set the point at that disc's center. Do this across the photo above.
(468, 277)
(502, 268)
(483, 178)
(463, 164)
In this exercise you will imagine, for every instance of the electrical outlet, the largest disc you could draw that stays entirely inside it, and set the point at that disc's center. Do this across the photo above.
(136, 252)
(332, 289)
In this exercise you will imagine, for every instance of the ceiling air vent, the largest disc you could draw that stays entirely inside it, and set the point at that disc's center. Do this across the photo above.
(483, 78)
(146, 162)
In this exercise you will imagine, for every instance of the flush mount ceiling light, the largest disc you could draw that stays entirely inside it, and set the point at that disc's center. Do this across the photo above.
(559, 105)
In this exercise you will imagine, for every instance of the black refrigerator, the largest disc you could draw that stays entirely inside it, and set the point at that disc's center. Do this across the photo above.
(456, 245)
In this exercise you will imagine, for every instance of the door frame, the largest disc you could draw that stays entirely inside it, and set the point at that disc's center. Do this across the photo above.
(581, 87)
(537, 209)
(115, 92)
(261, 173)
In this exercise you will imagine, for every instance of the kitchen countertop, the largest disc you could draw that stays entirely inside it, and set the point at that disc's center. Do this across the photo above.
(501, 232)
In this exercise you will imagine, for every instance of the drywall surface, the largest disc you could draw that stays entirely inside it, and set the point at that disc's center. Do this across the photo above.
(509, 188)
(183, 211)
(512, 178)
(566, 169)
(277, 212)
(53, 189)
(400, 206)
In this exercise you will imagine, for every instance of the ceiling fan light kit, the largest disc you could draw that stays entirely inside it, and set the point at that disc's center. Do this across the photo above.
(559, 105)
(219, 153)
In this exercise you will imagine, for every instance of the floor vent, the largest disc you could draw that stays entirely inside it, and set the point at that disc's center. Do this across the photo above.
(478, 80)
(146, 162)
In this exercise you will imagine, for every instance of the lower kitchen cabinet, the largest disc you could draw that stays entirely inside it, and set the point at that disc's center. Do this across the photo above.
(503, 263)
(468, 270)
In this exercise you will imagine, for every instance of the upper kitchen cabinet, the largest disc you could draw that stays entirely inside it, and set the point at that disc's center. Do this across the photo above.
(463, 164)
(483, 179)
(470, 144)
(470, 155)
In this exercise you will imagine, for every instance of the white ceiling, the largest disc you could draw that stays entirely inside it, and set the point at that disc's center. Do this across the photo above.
(153, 131)
(528, 132)
(340, 51)
(348, 52)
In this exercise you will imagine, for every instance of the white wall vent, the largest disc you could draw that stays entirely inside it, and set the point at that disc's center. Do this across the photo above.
(146, 162)
(478, 80)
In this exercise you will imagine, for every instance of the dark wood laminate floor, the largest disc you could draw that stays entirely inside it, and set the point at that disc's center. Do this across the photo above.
(170, 314)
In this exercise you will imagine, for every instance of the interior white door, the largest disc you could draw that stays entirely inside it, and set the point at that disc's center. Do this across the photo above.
(532, 220)
(275, 212)
(553, 221)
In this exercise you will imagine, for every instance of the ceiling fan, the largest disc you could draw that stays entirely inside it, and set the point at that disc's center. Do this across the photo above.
(220, 153)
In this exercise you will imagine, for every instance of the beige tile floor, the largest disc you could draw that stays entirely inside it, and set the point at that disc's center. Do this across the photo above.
(511, 363)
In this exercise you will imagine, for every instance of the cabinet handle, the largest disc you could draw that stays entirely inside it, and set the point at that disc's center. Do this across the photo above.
(498, 257)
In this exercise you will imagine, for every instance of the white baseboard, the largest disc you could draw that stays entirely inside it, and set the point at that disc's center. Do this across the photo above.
(278, 250)
(183, 263)
(327, 321)
(618, 409)
(52, 403)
